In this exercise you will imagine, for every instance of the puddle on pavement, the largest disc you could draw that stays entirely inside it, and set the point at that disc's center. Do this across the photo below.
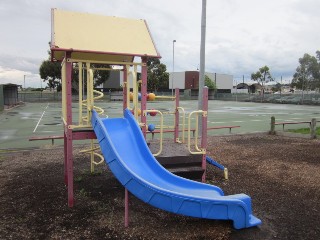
(52, 124)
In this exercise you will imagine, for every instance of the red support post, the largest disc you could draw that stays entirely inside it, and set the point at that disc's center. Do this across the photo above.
(204, 131)
(65, 157)
(176, 126)
(124, 89)
(144, 75)
(126, 208)
(68, 132)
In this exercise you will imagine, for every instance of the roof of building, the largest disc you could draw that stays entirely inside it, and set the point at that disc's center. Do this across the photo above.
(9, 84)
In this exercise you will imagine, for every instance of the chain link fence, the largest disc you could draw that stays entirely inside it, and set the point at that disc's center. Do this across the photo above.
(301, 98)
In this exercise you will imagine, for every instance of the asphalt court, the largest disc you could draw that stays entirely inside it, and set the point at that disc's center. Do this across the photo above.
(42, 119)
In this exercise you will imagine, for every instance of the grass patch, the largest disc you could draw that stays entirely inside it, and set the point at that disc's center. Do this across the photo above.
(304, 130)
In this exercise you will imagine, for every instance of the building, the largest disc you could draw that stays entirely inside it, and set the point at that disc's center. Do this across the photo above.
(190, 80)
(8, 95)
(115, 81)
(181, 80)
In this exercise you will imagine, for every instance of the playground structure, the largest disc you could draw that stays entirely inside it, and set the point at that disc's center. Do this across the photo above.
(120, 137)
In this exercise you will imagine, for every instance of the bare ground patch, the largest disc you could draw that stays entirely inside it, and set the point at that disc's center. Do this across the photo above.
(281, 174)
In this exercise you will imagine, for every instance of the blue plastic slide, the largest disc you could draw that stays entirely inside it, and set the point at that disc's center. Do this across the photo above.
(129, 158)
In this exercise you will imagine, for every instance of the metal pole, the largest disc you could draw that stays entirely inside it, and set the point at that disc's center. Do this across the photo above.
(172, 67)
(202, 57)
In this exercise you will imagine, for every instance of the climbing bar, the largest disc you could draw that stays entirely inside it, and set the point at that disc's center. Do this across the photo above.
(161, 128)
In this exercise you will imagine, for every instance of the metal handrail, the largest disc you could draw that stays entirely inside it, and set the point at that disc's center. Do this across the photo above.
(199, 151)
(161, 128)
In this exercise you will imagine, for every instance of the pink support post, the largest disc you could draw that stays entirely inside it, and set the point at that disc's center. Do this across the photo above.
(176, 126)
(65, 158)
(144, 94)
(204, 131)
(126, 208)
(68, 133)
(125, 81)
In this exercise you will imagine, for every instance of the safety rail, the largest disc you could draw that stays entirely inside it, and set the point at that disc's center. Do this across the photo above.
(165, 97)
(84, 121)
(193, 130)
(161, 128)
(199, 151)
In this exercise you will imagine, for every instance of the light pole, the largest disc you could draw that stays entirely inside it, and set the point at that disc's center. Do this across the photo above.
(24, 82)
(172, 66)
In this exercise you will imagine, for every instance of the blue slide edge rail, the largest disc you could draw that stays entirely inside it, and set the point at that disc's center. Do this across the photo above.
(233, 207)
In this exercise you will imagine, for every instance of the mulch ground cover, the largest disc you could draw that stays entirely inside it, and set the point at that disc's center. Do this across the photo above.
(281, 174)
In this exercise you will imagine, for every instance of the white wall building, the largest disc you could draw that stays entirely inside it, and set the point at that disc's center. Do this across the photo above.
(190, 80)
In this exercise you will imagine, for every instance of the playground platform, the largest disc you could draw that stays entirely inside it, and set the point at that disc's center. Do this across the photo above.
(175, 157)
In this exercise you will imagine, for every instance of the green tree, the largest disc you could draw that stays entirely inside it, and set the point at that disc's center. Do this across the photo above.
(209, 83)
(50, 72)
(262, 76)
(307, 75)
(157, 75)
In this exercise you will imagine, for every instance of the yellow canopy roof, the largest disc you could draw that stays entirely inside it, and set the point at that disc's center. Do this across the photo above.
(102, 38)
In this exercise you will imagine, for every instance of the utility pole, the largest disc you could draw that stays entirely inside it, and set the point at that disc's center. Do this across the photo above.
(202, 57)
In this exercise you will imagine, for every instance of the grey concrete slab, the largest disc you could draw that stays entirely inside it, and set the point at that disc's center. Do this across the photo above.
(43, 119)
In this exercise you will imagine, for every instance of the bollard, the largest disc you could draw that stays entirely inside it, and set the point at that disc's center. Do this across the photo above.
(313, 127)
(272, 131)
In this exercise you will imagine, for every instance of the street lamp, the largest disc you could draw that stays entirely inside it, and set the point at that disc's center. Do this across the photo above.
(172, 66)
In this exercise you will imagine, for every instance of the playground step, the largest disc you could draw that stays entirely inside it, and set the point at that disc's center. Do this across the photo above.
(176, 158)
(176, 161)
(194, 173)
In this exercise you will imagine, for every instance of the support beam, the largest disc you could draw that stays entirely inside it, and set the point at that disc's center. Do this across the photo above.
(68, 131)
(176, 125)
(125, 86)
(144, 74)
(204, 131)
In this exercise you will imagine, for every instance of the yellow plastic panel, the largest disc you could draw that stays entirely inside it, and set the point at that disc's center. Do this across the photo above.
(83, 32)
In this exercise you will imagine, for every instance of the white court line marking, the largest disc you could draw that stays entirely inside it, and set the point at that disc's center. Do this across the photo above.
(256, 120)
(238, 121)
(40, 118)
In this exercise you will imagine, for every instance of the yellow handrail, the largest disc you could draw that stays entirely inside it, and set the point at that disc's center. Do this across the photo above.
(161, 128)
(183, 121)
(199, 151)
(165, 97)
(80, 93)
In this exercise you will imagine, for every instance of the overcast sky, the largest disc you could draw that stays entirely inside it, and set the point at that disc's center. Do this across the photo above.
(242, 35)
